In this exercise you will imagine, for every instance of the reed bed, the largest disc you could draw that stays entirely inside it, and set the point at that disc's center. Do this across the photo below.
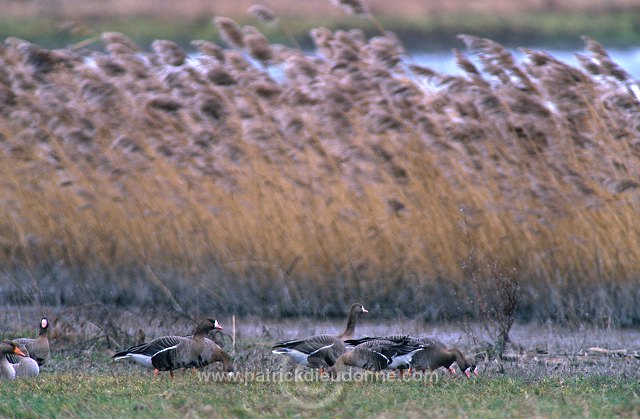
(258, 178)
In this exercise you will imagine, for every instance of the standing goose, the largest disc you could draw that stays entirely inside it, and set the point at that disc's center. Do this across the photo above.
(27, 366)
(168, 353)
(376, 355)
(7, 372)
(320, 351)
(38, 348)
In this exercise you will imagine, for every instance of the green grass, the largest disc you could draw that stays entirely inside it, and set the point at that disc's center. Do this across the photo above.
(418, 32)
(122, 396)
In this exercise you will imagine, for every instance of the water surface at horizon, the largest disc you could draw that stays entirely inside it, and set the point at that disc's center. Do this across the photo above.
(444, 61)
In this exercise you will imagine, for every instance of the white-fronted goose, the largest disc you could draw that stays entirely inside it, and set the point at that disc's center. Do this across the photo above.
(376, 355)
(168, 353)
(320, 351)
(38, 348)
(7, 372)
(436, 355)
(433, 346)
(26, 367)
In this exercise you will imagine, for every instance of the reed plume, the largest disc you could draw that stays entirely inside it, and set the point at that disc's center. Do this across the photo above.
(351, 169)
(230, 31)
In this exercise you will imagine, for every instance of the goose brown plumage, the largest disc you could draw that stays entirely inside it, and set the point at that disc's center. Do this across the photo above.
(168, 353)
(26, 366)
(7, 372)
(320, 351)
(436, 354)
(376, 355)
(38, 348)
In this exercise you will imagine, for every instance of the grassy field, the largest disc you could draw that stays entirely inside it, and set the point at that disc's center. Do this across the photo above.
(553, 373)
(84, 395)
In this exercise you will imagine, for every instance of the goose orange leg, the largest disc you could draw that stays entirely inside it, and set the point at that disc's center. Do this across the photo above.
(155, 373)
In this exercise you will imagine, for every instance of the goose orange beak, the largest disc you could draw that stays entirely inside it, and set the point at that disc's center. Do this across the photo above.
(17, 351)
(364, 310)
(217, 325)
(467, 372)
(475, 371)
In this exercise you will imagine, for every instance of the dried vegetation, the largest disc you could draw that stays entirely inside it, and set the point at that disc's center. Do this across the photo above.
(261, 178)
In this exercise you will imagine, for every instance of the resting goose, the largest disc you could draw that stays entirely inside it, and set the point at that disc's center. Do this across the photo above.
(7, 372)
(26, 367)
(168, 353)
(38, 348)
(376, 355)
(320, 351)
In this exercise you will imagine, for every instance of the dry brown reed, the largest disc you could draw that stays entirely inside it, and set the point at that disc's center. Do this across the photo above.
(262, 13)
(230, 31)
(348, 176)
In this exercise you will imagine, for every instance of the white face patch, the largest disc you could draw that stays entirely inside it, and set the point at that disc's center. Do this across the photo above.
(43, 323)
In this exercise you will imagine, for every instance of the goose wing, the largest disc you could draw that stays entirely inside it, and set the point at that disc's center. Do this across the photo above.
(307, 345)
(399, 350)
(315, 351)
(13, 359)
(391, 338)
(180, 355)
(150, 348)
(369, 359)
(430, 341)
(399, 355)
(327, 355)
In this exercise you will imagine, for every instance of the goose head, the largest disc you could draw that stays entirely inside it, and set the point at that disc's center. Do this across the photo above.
(10, 347)
(206, 325)
(23, 349)
(358, 308)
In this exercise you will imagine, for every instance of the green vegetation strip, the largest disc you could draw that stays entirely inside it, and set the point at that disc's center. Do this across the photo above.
(617, 29)
(109, 395)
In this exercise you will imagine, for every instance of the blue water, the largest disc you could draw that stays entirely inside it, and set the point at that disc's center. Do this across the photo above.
(444, 62)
